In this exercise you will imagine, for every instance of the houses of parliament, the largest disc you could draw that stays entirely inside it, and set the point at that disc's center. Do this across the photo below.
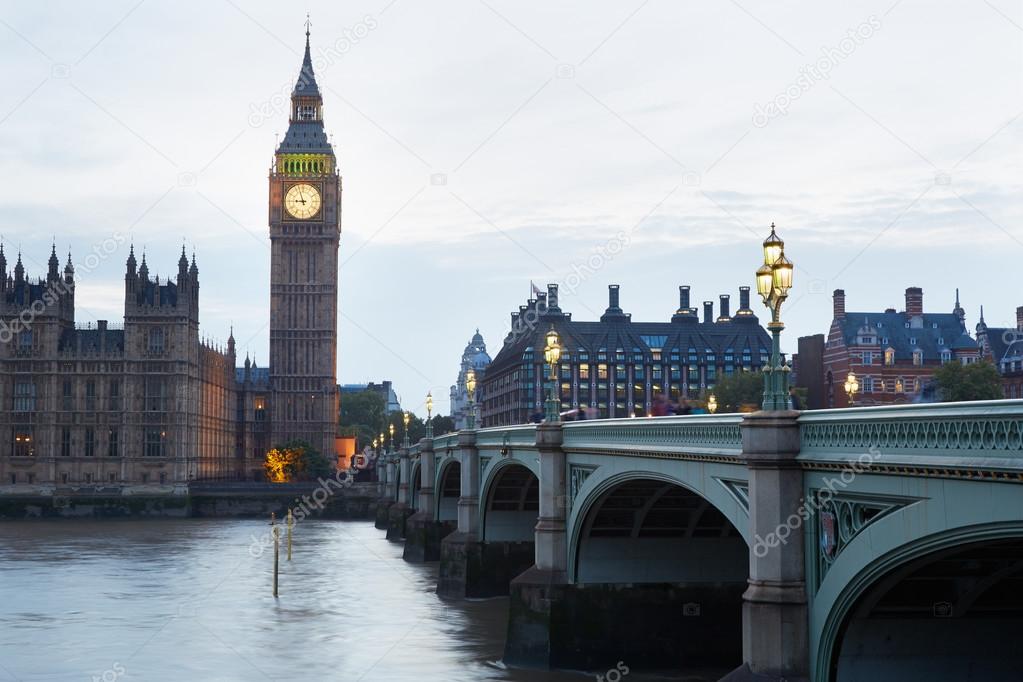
(148, 402)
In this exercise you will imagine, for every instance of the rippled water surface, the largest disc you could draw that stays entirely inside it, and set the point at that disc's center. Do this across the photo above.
(187, 600)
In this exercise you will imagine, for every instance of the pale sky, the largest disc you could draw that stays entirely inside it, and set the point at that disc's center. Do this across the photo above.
(487, 143)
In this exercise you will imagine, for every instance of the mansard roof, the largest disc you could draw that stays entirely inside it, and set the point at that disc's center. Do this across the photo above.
(930, 333)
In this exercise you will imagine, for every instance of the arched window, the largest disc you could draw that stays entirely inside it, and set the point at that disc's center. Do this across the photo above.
(900, 385)
(889, 356)
(918, 357)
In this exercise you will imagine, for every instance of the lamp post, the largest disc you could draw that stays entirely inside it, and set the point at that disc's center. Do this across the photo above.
(405, 418)
(551, 355)
(774, 279)
(390, 431)
(851, 386)
(712, 404)
(470, 389)
(429, 414)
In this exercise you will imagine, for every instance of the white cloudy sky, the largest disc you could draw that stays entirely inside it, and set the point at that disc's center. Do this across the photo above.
(557, 125)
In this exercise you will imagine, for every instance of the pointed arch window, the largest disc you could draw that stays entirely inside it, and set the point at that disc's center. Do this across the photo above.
(889, 356)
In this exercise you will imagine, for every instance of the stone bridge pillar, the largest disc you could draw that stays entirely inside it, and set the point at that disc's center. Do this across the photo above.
(775, 640)
(389, 490)
(536, 619)
(423, 532)
(461, 552)
(400, 511)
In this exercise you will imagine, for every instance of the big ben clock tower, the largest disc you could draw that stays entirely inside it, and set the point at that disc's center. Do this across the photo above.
(305, 231)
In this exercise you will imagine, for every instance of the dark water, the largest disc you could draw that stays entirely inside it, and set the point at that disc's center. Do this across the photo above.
(191, 600)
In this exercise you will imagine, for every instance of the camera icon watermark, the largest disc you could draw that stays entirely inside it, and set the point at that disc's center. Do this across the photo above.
(439, 179)
(60, 71)
(565, 71)
(187, 179)
(942, 179)
(817, 286)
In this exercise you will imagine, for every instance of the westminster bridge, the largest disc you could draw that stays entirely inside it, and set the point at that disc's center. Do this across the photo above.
(881, 542)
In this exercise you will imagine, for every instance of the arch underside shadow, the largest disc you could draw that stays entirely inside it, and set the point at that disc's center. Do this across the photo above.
(415, 484)
(948, 606)
(511, 504)
(447, 490)
(659, 568)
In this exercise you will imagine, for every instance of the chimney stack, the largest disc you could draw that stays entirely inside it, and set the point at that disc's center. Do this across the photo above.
(744, 299)
(708, 312)
(724, 316)
(683, 298)
(1019, 318)
(838, 299)
(552, 296)
(612, 297)
(914, 301)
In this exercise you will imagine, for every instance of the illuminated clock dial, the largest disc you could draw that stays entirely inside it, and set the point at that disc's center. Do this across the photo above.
(302, 201)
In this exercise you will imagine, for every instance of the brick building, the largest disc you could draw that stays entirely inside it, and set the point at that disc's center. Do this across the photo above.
(616, 365)
(1003, 347)
(893, 354)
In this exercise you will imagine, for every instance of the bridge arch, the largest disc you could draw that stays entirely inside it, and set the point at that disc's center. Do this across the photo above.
(448, 489)
(711, 486)
(415, 484)
(509, 502)
(940, 604)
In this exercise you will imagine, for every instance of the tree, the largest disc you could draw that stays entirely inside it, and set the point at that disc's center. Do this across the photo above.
(739, 390)
(296, 461)
(362, 416)
(976, 381)
(442, 425)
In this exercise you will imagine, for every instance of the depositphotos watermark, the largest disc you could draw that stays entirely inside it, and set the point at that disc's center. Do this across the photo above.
(316, 500)
(55, 289)
(322, 58)
(111, 674)
(614, 674)
(581, 271)
(780, 535)
(813, 73)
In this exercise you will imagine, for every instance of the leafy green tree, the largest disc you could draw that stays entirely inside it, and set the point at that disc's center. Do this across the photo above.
(976, 381)
(442, 425)
(296, 460)
(362, 416)
(738, 390)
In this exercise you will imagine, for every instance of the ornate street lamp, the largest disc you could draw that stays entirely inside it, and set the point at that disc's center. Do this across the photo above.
(851, 386)
(383, 443)
(712, 404)
(429, 414)
(470, 389)
(390, 430)
(774, 279)
(405, 419)
(551, 355)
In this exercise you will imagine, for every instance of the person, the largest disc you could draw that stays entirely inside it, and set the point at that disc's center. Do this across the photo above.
(794, 400)
(660, 406)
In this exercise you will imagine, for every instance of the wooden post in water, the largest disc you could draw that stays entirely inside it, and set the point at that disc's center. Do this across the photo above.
(291, 523)
(277, 548)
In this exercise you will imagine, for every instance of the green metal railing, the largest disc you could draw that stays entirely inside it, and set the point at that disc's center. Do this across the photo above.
(968, 433)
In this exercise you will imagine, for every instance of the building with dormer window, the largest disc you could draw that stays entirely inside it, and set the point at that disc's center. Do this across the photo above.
(893, 354)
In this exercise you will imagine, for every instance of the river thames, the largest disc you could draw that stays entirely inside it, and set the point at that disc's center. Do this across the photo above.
(190, 599)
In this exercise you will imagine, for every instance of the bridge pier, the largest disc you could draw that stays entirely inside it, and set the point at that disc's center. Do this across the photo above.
(388, 494)
(537, 621)
(775, 637)
(423, 532)
(461, 552)
(399, 512)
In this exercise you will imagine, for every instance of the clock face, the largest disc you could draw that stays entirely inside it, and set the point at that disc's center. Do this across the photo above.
(302, 201)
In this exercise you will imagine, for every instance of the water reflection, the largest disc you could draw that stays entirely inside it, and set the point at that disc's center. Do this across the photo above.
(188, 600)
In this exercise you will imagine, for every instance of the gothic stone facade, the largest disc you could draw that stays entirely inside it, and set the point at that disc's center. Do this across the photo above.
(150, 404)
(305, 231)
(146, 402)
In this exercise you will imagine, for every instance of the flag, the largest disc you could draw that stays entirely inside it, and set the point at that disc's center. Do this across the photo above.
(534, 290)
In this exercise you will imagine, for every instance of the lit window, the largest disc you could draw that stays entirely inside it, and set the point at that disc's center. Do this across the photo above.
(889, 357)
